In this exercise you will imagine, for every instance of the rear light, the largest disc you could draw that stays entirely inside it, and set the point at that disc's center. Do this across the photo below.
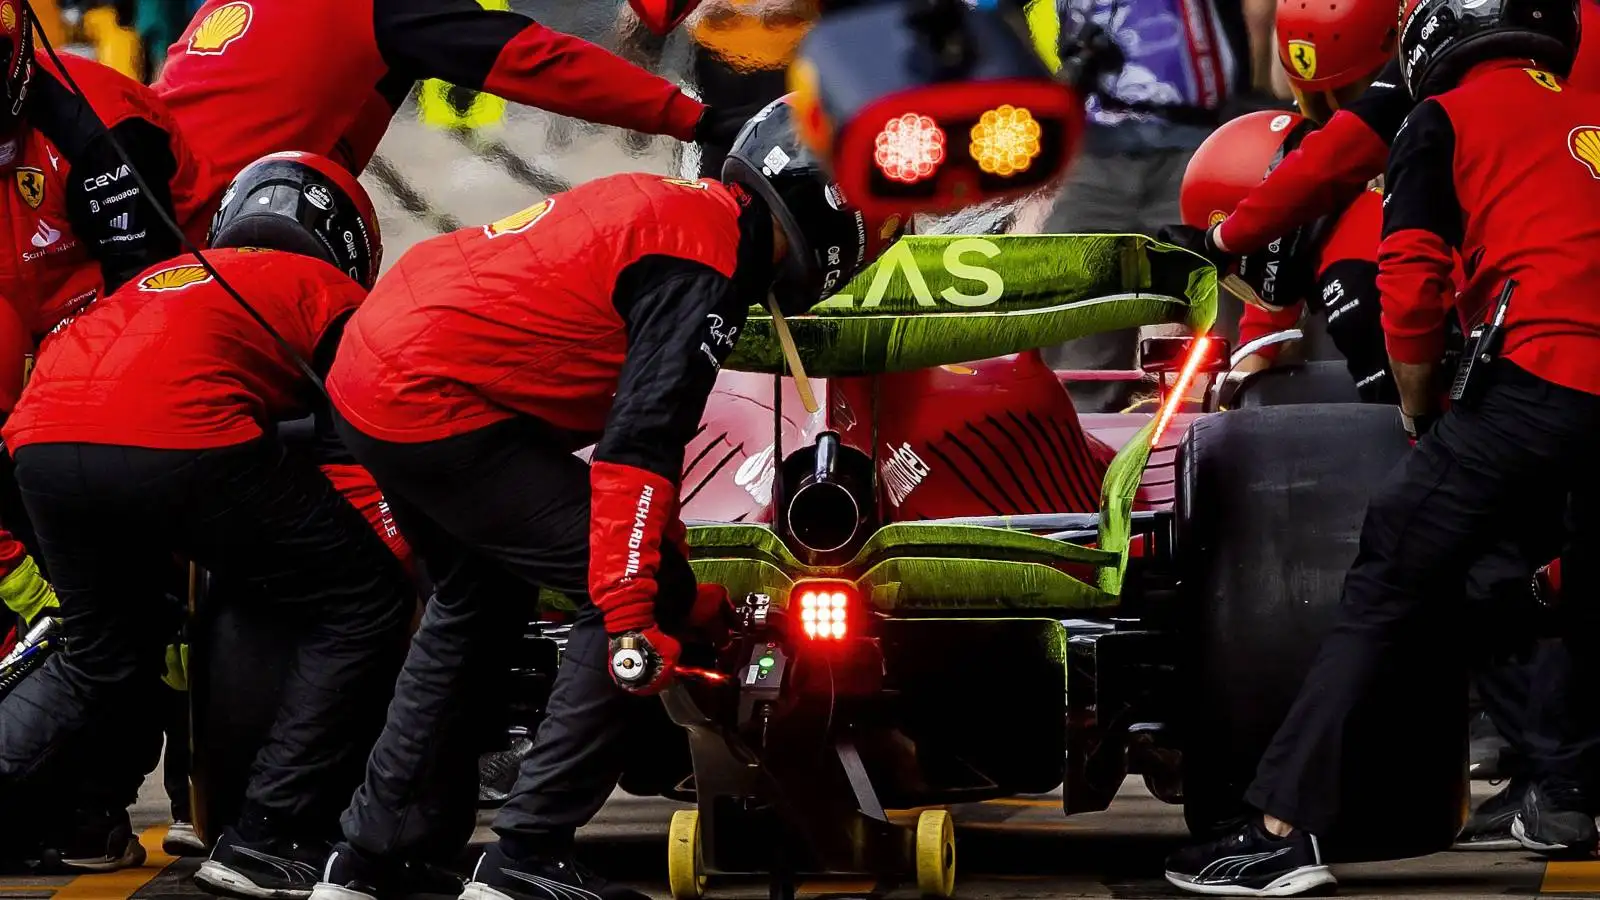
(909, 149)
(827, 608)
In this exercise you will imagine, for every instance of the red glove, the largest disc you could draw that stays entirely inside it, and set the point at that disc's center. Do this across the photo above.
(629, 509)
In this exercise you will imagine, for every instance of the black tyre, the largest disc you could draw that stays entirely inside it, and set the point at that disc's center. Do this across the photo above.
(1270, 505)
(1298, 383)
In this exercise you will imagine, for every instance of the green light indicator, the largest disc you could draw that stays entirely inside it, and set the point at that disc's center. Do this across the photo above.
(767, 662)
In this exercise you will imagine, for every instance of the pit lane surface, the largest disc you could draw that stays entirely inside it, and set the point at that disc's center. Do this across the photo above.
(1017, 849)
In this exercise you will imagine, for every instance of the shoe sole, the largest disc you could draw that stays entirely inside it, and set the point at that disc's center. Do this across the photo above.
(1493, 844)
(1562, 850)
(131, 858)
(1300, 881)
(222, 881)
(329, 891)
(476, 890)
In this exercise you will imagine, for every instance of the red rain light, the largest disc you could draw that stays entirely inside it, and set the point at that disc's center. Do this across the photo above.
(1198, 351)
(825, 609)
(909, 149)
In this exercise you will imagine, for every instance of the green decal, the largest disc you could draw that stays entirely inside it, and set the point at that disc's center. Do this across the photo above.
(936, 300)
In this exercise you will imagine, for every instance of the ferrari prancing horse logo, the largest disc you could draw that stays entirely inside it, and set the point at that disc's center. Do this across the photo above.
(1303, 57)
(516, 223)
(30, 184)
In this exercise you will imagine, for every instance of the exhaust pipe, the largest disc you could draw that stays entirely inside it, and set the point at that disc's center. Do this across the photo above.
(823, 514)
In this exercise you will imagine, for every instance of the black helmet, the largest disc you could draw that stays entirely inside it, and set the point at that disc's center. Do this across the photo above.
(830, 241)
(1441, 40)
(16, 55)
(306, 204)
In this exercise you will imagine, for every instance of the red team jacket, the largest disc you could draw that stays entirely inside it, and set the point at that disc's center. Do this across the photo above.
(76, 219)
(1505, 171)
(535, 314)
(1334, 163)
(173, 362)
(250, 77)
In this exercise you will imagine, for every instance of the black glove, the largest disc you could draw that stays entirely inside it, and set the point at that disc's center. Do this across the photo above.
(1417, 426)
(719, 125)
(1195, 240)
(1281, 272)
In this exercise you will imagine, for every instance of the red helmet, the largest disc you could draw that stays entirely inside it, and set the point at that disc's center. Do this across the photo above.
(1233, 160)
(661, 16)
(302, 203)
(16, 55)
(1327, 46)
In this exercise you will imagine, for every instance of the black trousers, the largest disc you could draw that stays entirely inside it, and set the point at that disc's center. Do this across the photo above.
(1504, 464)
(494, 515)
(109, 518)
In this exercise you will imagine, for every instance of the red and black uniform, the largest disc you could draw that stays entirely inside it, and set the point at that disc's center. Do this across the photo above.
(250, 77)
(479, 363)
(1501, 171)
(141, 436)
(79, 224)
(1335, 163)
(1345, 292)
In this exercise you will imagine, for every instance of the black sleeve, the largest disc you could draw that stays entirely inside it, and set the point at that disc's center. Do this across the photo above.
(1348, 297)
(110, 213)
(318, 436)
(454, 40)
(1419, 185)
(1385, 103)
(682, 318)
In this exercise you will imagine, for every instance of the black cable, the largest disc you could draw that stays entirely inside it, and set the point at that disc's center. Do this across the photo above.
(167, 219)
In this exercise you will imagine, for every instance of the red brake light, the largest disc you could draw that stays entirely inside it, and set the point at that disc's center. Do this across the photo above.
(825, 609)
(909, 149)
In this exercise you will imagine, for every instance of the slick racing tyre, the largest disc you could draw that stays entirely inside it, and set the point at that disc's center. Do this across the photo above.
(1269, 509)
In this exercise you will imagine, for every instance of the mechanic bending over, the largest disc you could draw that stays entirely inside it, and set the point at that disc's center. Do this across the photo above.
(634, 285)
(1499, 163)
(145, 432)
(1343, 253)
(326, 76)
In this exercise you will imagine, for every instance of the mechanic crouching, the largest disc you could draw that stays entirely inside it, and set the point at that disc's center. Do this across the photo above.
(1499, 163)
(147, 432)
(481, 362)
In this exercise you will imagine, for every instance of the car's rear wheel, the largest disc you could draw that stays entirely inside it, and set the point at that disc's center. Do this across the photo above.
(1270, 506)
(1296, 383)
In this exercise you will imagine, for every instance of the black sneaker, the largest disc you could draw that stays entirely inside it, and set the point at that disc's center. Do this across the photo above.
(352, 875)
(1250, 862)
(1554, 820)
(93, 841)
(270, 869)
(1489, 827)
(498, 877)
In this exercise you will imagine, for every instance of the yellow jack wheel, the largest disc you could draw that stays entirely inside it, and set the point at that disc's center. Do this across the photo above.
(936, 854)
(686, 871)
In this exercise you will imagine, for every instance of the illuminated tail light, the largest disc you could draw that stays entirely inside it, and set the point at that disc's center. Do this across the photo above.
(825, 609)
(1005, 141)
(909, 149)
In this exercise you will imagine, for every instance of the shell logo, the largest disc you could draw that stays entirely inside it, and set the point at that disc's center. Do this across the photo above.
(8, 17)
(517, 223)
(175, 278)
(1215, 218)
(1584, 144)
(224, 25)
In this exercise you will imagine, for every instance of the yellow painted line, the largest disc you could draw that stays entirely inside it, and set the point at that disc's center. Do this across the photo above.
(121, 885)
(1024, 801)
(826, 886)
(1561, 877)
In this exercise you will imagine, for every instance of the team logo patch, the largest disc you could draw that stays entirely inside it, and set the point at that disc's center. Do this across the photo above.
(1544, 79)
(684, 182)
(175, 278)
(30, 184)
(960, 370)
(1215, 218)
(1584, 144)
(1279, 123)
(225, 24)
(890, 228)
(516, 223)
(1303, 57)
(8, 17)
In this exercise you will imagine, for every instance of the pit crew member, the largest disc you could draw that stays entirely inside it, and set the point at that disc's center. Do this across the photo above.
(250, 77)
(483, 359)
(146, 432)
(1499, 163)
